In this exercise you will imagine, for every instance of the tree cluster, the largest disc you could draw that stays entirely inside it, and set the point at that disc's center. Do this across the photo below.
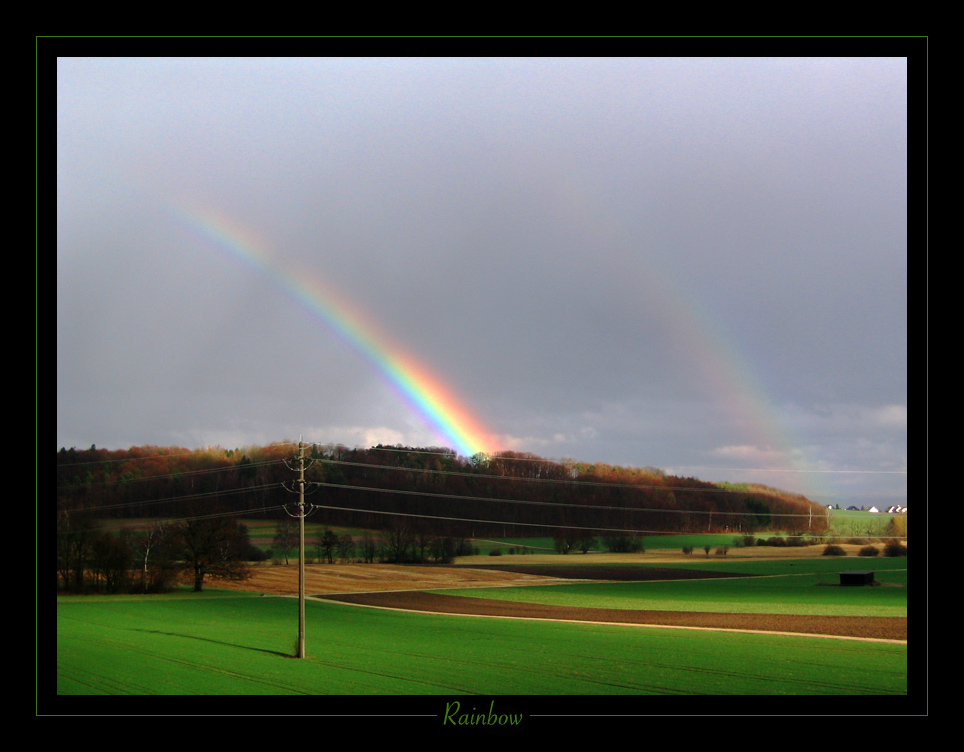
(422, 503)
(94, 557)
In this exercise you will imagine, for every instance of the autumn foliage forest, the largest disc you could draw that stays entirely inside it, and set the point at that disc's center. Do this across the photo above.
(430, 490)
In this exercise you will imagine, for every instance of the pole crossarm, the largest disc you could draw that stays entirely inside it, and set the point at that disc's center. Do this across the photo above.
(307, 487)
(300, 513)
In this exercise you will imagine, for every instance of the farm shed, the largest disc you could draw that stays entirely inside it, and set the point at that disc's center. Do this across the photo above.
(857, 578)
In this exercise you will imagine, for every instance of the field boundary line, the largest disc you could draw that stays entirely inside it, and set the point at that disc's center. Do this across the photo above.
(322, 598)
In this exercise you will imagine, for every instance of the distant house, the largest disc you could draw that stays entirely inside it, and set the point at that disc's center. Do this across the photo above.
(852, 509)
(874, 509)
(897, 509)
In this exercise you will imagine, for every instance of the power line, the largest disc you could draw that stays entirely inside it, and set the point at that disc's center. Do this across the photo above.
(473, 520)
(463, 497)
(173, 520)
(547, 504)
(488, 522)
(218, 515)
(572, 482)
(452, 454)
(174, 499)
(484, 476)
(634, 531)
(586, 507)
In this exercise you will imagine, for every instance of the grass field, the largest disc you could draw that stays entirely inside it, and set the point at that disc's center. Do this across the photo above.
(778, 587)
(791, 594)
(650, 543)
(857, 524)
(226, 643)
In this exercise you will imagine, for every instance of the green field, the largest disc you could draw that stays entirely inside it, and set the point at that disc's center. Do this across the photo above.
(780, 587)
(523, 546)
(764, 595)
(225, 643)
(847, 524)
(863, 524)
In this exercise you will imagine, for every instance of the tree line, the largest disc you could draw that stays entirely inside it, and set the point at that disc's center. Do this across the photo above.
(150, 557)
(423, 502)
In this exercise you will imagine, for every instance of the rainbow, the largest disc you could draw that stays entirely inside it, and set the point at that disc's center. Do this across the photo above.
(420, 389)
(754, 417)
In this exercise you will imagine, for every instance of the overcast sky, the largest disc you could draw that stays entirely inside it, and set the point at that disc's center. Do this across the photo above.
(693, 264)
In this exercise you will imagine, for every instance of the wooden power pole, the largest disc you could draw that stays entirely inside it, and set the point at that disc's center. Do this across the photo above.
(302, 513)
(301, 550)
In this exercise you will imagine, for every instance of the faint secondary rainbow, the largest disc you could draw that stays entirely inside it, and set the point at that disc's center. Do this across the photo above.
(758, 427)
(418, 387)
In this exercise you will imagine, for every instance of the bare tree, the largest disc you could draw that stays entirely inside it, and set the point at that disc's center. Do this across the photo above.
(397, 540)
(328, 544)
(346, 547)
(110, 560)
(213, 545)
(286, 537)
(369, 547)
(443, 549)
(422, 540)
(152, 551)
(75, 535)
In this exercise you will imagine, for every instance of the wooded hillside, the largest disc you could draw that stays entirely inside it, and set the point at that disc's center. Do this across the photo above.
(510, 494)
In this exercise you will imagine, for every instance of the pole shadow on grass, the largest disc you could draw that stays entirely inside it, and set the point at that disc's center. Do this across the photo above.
(216, 642)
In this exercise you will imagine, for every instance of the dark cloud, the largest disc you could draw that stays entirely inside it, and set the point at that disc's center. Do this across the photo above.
(602, 258)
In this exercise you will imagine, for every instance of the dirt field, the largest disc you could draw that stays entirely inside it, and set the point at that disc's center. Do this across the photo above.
(393, 586)
(880, 628)
(361, 578)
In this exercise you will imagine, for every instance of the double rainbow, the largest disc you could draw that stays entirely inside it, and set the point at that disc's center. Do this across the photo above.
(418, 387)
(719, 360)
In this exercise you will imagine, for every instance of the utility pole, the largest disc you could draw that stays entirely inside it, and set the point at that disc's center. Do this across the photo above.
(301, 549)
(300, 483)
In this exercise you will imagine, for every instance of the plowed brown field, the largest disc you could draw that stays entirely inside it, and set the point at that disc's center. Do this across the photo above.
(361, 578)
(878, 628)
(393, 586)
